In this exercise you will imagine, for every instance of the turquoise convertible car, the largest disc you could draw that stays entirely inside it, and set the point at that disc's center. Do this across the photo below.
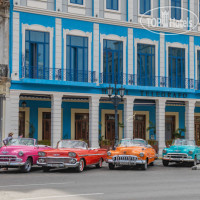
(181, 151)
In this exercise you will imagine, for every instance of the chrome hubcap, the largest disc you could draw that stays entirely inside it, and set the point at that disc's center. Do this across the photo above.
(81, 165)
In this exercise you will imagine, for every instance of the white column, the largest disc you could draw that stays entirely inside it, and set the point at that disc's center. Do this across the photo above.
(160, 124)
(58, 48)
(128, 117)
(189, 119)
(193, 3)
(12, 114)
(96, 51)
(96, 8)
(130, 52)
(130, 10)
(94, 121)
(56, 119)
(59, 5)
(15, 43)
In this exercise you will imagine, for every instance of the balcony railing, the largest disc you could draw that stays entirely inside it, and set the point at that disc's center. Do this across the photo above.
(58, 74)
(3, 71)
(111, 78)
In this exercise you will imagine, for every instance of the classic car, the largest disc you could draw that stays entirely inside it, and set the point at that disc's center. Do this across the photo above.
(71, 154)
(182, 150)
(21, 152)
(130, 152)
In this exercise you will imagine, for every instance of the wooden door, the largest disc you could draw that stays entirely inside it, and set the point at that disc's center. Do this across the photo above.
(82, 126)
(110, 127)
(46, 126)
(197, 129)
(139, 127)
(22, 123)
(169, 127)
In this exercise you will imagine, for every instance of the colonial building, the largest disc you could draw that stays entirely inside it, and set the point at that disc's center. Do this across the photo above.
(65, 53)
(4, 55)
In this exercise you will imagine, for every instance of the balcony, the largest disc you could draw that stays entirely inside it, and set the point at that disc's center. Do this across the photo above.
(58, 74)
(3, 71)
(111, 78)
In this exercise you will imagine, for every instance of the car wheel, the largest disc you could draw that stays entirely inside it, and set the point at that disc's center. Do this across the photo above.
(27, 166)
(45, 169)
(81, 166)
(144, 166)
(111, 166)
(165, 163)
(151, 164)
(99, 165)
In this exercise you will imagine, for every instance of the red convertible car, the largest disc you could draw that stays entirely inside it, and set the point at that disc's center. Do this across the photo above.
(71, 154)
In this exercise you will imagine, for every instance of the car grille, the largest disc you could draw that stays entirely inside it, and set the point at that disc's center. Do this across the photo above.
(124, 158)
(7, 158)
(177, 155)
(57, 160)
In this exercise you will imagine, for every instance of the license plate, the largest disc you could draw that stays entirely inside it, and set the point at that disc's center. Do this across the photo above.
(3, 163)
(55, 165)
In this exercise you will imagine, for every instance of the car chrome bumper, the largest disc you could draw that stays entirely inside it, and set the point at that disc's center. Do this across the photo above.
(178, 159)
(11, 164)
(126, 162)
(57, 164)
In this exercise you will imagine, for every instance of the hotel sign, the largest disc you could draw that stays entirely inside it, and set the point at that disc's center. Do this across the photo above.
(164, 94)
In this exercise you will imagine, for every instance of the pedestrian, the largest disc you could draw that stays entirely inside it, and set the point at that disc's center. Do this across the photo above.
(20, 136)
(6, 140)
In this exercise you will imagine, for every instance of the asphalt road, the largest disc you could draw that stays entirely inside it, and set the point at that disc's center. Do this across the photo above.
(157, 183)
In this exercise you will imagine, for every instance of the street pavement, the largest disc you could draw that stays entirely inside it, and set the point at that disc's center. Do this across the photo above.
(157, 183)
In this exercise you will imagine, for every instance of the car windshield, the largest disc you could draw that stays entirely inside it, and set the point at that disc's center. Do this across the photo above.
(131, 142)
(181, 142)
(21, 141)
(72, 144)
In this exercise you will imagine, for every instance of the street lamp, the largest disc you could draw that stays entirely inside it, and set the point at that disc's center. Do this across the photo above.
(116, 99)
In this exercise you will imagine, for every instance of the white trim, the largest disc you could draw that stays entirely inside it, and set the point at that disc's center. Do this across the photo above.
(36, 27)
(177, 45)
(111, 10)
(150, 42)
(118, 38)
(76, 5)
(197, 48)
(142, 15)
(73, 114)
(27, 119)
(80, 34)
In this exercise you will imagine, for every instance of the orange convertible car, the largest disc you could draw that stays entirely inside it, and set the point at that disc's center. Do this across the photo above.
(131, 152)
(71, 154)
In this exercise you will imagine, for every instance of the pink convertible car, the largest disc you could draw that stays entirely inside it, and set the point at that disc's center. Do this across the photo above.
(21, 152)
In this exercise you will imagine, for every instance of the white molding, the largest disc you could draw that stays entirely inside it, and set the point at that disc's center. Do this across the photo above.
(79, 33)
(36, 27)
(150, 42)
(197, 48)
(177, 45)
(99, 20)
(117, 38)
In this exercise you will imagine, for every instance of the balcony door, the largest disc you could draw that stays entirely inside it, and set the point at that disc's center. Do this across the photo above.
(22, 123)
(197, 129)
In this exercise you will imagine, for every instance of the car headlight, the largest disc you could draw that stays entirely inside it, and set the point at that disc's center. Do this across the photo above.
(190, 152)
(109, 153)
(41, 153)
(21, 153)
(72, 154)
(164, 151)
(141, 154)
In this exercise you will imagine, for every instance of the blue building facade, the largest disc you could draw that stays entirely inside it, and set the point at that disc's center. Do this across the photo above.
(64, 54)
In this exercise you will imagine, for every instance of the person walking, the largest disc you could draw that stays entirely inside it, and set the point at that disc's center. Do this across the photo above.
(6, 140)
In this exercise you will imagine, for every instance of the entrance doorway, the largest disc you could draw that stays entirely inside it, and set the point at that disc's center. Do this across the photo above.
(110, 127)
(197, 129)
(82, 126)
(46, 126)
(139, 127)
(169, 127)
(22, 123)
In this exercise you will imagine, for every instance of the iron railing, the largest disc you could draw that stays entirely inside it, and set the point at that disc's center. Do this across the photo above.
(3, 71)
(110, 78)
(58, 74)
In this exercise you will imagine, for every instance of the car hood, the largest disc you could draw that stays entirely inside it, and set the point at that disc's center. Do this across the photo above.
(129, 150)
(63, 151)
(180, 149)
(7, 150)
